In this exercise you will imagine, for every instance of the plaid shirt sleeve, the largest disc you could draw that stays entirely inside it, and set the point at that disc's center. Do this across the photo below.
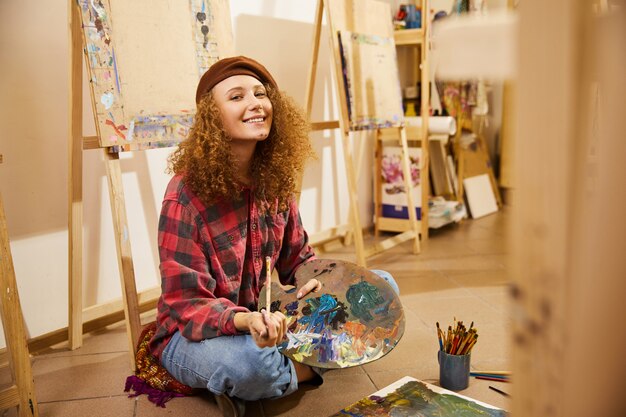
(186, 282)
(295, 249)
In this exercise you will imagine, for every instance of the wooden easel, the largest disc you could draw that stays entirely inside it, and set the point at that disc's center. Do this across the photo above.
(132, 303)
(343, 124)
(77, 142)
(22, 392)
(416, 42)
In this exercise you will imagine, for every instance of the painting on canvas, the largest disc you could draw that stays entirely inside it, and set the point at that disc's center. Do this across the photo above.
(134, 49)
(371, 80)
(411, 397)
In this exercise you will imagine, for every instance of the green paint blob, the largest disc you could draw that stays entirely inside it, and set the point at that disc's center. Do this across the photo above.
(363, 298)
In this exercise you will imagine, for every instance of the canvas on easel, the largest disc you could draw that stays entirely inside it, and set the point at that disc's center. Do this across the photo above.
(368, 89)
(133, 51)
(370, 70)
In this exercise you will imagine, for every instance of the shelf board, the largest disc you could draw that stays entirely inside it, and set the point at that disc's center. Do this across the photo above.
(408, 36)
(389, 224)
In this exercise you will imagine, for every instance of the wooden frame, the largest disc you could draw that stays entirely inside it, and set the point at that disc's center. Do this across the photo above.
(414, 39)
(352, 18)
(22, 392)
(568, 223)
(116, 52)
(117, 131)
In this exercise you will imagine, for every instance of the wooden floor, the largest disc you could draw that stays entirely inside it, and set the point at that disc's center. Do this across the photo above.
(462, 272)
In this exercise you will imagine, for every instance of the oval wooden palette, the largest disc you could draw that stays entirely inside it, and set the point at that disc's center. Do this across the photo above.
(356, 318)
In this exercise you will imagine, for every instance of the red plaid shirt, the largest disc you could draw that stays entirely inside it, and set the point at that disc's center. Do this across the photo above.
(213, 258)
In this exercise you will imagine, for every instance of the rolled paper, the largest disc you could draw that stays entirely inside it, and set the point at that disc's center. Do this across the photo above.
(436, 124)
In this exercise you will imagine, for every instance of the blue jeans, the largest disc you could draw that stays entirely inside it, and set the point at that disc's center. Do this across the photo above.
(235, 365)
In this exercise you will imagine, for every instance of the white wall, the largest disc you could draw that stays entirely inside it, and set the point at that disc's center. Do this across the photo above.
(34, 63)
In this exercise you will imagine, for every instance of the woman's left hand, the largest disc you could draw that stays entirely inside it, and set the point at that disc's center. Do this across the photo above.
(313, 285)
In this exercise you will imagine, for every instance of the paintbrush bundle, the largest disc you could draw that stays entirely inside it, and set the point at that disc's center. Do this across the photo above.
(458, 340)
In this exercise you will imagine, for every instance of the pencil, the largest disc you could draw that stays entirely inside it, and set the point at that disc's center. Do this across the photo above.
(494, 372)
(499, 391)
(268, 282)
(489, 375)
(489, 378)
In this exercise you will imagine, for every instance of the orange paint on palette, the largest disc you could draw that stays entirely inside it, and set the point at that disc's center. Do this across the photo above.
(355, 328)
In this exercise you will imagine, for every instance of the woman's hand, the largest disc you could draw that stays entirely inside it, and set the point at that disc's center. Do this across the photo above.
(267, 329)
(313, 285)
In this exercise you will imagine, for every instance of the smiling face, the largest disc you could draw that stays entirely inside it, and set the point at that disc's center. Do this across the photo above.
(245, 108)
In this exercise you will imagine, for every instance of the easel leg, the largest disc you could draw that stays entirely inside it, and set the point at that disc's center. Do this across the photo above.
(75, 184)
(122, 243)
(317, 27)
(408, 186)
(22, 393)
(354, 205)
(359, 164)
(378, 193)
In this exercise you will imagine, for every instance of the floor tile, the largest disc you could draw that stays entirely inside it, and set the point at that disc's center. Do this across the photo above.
(117, 406)
(201, 405)
(471, 263)
(111, 339)
(84, 376)
(339, 390)
(433, 283)
(495, 278)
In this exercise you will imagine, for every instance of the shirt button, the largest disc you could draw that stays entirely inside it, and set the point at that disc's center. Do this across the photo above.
(253, 226)
(230, 238)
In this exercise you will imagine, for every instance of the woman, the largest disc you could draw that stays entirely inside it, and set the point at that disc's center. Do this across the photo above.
(229, 205)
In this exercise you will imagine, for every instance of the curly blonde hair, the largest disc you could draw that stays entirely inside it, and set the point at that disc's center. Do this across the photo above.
(207, 164)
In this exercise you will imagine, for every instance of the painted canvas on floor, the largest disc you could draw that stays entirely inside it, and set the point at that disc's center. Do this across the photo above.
(411, 397)
(356, 318)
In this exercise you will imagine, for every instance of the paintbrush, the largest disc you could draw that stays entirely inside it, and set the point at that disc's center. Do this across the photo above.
(499, 391)
(268, 282)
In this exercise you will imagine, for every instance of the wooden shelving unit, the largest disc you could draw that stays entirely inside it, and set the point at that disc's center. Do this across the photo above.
(408, 37)
(417, 39)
